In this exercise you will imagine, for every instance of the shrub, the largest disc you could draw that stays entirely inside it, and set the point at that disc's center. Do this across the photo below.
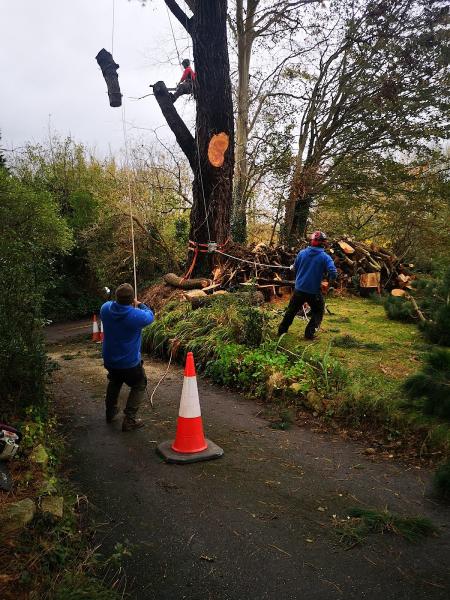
(31, 231)
(267, 372)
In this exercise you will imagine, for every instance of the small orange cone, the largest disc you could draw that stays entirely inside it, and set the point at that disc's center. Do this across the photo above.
(95, 330)
(190, 444)
(101, 334)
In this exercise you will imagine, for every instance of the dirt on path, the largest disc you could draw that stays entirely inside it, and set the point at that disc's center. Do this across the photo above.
(257, 523)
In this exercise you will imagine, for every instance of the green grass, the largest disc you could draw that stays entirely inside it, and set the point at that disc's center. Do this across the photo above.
(361, 522)
(349, 341)
(362, 320)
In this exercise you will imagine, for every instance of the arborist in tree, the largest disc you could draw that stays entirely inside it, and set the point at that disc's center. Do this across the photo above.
(123, 321)
(186, 83)
(310, 266)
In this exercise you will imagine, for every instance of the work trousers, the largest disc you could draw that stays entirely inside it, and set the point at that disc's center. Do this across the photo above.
(136, 379)
(185, 87)
(317, 305)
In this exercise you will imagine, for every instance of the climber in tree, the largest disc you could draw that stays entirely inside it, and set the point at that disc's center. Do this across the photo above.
(186, 84)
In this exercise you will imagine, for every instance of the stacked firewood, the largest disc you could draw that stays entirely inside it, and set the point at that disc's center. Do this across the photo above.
(360, 266)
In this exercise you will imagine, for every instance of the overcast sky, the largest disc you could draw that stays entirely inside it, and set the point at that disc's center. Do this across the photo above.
(49, 73)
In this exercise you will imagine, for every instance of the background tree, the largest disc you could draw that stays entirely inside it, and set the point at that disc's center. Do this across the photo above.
(257, 25)
(403, 204)
(374, 85)
(212, 185)
(92, 197)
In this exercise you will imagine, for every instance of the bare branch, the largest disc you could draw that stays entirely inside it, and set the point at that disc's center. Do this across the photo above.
(180, 14)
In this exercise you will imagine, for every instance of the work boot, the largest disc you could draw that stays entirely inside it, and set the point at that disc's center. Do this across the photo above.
(111, 413)
(131, 424)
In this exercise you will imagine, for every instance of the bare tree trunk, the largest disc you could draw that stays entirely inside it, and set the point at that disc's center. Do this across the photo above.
(212, 185)
(245, 39)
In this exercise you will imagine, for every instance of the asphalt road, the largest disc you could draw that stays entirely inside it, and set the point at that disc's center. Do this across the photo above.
(257, 523)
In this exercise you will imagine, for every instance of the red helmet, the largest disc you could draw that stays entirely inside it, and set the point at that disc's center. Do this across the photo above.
(318, 238)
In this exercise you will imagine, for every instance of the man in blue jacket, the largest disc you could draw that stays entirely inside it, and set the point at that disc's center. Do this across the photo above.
(123, 321)
(310, 266)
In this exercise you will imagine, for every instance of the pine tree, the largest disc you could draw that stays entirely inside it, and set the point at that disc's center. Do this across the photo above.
(429, 389)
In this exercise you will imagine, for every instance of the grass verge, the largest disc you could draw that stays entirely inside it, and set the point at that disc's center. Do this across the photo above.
(354, 378)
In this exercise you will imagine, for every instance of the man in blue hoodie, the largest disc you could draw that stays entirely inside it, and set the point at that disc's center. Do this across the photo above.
(310, 266)
(123, 321)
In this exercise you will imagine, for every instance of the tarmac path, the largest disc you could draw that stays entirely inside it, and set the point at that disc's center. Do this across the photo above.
(257, 523)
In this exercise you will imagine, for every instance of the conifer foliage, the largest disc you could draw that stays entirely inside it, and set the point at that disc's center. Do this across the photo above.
(433, 299)
(429, 389)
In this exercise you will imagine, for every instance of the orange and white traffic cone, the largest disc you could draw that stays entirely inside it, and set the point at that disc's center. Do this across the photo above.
(190, 444)
(101, 334)
(95, 330)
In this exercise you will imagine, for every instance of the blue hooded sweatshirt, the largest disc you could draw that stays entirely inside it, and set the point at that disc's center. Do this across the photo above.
(122, 326)
(310, 266)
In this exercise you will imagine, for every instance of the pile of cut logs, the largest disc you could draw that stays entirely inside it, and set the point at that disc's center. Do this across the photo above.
(362, 267)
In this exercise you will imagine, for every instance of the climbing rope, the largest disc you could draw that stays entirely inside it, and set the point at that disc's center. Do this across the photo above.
(173, 36)
(202, 187)
(251, 262)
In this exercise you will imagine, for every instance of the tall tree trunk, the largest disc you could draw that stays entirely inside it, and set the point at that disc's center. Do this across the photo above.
(212, 185)
(245, 38)
(299, 204)
(214, 115)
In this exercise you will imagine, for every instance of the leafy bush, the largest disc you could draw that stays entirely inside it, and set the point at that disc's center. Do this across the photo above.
(31, 231)
(429, 389)
(267, 372)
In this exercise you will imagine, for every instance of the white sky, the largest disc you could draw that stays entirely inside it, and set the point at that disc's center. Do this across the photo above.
(49, 73)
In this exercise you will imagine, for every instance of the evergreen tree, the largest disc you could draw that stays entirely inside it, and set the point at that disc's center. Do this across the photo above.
(429, 389)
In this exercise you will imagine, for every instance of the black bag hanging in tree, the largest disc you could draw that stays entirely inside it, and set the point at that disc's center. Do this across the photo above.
(109, 70)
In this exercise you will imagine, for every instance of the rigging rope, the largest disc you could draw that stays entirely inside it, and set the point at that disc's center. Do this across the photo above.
(251, 262)
(127, 167)
(113, 24)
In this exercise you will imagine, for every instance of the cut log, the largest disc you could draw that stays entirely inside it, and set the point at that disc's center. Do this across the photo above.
(403, 280)
(186, 284)
(398, 292)
(369, 280)
(346, 248)
(109, 69)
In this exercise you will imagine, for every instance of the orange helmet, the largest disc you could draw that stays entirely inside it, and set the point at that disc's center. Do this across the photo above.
(318, 238)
